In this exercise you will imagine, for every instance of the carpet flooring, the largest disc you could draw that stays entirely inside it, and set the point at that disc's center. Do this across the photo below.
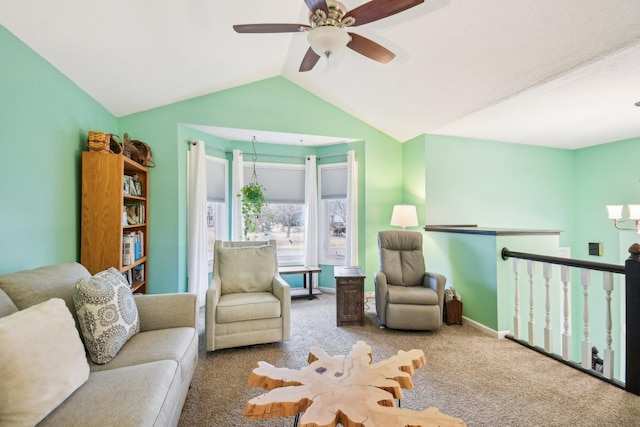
(483, 380)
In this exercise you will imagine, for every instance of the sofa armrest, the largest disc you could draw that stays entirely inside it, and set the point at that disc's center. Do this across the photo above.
(436, 282)
(380, 281)
(282, 291)
(211, 301)
(162, 311)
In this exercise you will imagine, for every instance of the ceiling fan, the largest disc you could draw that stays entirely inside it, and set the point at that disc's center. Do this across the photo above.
(326, 33)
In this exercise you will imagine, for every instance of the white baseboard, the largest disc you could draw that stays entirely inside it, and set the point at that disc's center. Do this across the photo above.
(485, 329)
(328, 290)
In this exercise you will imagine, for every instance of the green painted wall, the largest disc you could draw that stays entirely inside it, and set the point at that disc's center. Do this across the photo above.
(494, 184)
(413, 175)
(44, 121)
(608, 175)
(274, 105)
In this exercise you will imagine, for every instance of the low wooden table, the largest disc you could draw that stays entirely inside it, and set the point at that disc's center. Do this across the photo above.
(349, 390)
(306, 271)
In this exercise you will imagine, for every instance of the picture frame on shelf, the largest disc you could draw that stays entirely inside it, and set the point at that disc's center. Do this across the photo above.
(127, 185)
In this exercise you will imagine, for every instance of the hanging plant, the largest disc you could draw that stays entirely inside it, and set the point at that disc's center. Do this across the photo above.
(253, 201)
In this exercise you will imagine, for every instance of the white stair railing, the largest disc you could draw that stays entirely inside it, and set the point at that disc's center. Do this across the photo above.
(585, 281)
(562, 307)
(565, 278)
(548, 329)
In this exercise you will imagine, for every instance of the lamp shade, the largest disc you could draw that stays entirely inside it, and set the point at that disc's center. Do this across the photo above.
(404, 216)
(634, 212)
(615, 211)
(327, 40)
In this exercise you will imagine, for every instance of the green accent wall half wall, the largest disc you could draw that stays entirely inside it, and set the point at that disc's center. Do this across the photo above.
(44, 122)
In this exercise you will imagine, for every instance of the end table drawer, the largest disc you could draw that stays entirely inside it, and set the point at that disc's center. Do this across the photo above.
(343, 281)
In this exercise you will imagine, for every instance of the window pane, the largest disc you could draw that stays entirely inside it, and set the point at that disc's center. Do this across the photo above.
(284, 222)
(336, 242)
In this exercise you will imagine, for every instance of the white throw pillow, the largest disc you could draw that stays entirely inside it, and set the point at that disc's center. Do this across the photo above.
(42, 362)
(107, 314)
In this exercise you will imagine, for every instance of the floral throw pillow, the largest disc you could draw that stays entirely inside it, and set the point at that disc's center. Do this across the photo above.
(107, 314)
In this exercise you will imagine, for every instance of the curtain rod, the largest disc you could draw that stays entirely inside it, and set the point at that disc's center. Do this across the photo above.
(267, 155)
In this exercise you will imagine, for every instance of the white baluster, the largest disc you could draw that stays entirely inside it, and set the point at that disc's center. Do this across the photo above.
(607, 365)
(532, 320)
(585, 281)
(565, 278)
(516, 316)
(548, 330)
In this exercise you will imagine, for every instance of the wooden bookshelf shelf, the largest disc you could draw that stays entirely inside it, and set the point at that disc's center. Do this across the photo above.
(107, 183)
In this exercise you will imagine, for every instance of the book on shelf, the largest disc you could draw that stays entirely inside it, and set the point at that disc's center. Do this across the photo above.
(135, 212)
(132, 247)
(138, 273)
(127, 249)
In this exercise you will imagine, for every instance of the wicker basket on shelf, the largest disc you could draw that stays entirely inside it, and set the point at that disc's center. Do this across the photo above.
(99, 141)
(103, 142)
(144, 156)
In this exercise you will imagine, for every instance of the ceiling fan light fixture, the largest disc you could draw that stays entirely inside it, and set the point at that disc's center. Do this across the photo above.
(328, 40)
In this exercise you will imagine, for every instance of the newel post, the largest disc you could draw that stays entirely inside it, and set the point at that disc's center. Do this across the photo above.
(632, 285)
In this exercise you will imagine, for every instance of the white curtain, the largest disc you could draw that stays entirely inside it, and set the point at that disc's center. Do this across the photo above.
(351, 257)
(311, 214)
(197, 265)
(237, 181)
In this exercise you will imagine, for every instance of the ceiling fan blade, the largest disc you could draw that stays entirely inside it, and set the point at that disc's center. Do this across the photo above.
(370, 49)
(314, 5)
(309, 61)
(271, 28)
(378, 9)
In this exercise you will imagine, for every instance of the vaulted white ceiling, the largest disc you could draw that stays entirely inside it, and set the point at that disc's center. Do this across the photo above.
(544, 72)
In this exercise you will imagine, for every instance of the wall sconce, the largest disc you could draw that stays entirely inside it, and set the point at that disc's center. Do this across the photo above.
(615, 213)
(404, 216)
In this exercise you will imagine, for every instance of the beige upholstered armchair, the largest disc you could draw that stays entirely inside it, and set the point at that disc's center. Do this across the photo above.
(247, 302)
(407, 297)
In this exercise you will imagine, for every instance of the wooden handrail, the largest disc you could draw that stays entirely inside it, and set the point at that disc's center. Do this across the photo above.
(613, 268)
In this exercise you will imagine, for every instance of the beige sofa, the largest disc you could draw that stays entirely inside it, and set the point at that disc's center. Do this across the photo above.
(145, 384)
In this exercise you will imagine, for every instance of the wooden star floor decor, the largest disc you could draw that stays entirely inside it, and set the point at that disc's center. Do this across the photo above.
(347, 390)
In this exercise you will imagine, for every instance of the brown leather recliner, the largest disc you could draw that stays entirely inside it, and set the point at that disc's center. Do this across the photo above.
(407, 297)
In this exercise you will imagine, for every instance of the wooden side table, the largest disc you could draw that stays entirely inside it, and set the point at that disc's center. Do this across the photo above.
(349, 296)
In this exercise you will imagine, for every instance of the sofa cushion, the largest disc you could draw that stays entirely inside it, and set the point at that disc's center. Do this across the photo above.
(401, 257)
(141, 395)
(179, 344)
(415, 295)
(31, 287)
(247, 306)
(42, 362)
(107, 314)
(247, 269)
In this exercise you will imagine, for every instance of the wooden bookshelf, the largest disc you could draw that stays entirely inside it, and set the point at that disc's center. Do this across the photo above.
(104, 197)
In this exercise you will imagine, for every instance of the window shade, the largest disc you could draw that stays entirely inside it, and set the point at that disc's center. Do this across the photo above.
(216, 180)
(333, 182)
(283, 183)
